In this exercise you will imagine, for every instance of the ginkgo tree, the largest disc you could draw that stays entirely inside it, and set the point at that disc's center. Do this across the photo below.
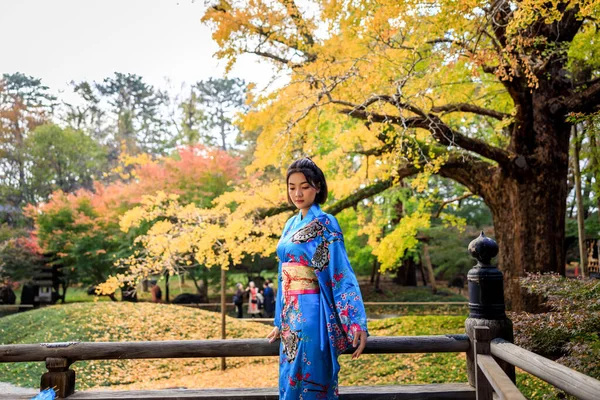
(476, 91)
(183, 234)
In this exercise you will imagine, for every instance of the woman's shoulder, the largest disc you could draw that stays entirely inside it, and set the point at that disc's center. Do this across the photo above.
(330, 222)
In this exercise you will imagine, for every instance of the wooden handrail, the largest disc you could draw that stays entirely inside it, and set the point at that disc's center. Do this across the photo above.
(366, 303)
(564, 378)
(76, 351)
(501, 383)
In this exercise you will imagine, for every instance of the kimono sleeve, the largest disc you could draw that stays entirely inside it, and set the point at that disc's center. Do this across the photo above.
(278, 296)
(278, 301)
(347, 297)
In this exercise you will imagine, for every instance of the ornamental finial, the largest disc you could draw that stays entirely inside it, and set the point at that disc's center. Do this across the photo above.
(483, 249)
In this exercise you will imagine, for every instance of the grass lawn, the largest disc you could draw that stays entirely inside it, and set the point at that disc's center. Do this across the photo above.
(391, 292)
(109, 321)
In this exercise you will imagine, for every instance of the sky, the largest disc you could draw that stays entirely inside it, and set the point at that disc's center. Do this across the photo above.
(63, 40)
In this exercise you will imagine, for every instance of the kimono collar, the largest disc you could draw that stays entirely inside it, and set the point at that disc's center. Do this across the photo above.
(313, 212)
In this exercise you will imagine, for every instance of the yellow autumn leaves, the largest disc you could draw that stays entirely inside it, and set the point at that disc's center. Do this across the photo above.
(182, 236)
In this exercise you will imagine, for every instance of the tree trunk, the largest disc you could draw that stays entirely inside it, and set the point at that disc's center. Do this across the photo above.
(406, 275)
(529, 210)
(167, 287)
(580, 216)
(374, 270)
(377, 278)
(430, 273)
(422, 270)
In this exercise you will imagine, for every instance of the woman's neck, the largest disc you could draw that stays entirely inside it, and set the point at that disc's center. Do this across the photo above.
(304, 211)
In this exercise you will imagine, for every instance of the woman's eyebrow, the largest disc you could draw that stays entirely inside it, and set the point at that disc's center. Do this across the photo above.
(301, 183)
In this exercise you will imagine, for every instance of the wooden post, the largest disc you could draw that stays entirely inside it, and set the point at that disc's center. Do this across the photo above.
(59, 377)
(486, 302)
(481, 345)
(223, 314)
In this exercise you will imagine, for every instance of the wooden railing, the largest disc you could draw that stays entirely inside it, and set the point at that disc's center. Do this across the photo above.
(491, 358)
(60, 356)
(489, 376)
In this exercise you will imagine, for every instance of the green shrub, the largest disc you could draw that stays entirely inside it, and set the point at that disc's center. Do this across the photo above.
(568, 333)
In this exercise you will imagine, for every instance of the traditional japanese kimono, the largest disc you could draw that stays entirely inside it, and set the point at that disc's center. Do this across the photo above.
(319, 306)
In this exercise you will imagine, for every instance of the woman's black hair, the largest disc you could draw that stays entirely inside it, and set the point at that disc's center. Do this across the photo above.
(314, 177)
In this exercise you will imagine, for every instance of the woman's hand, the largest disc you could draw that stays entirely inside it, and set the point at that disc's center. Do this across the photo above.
(274, 335)
(362, 336)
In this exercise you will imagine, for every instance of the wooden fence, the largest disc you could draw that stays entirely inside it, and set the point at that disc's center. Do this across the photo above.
(491, 358)
(489, 376)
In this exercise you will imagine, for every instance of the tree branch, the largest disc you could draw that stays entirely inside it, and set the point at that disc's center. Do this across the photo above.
(272, 57)
(462, 168)
(445, 203)
(359, 195)
(338, 206)
(375, 151)
(440, 131)
(586, 101)
(294, 13)
(269, 212)
(470, 108)
(473, 173)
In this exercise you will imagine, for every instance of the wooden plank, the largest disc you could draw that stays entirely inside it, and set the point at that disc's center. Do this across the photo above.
(503, 386)
(572, 382)
(481, 346)
(10, 306)
(416, 303)
(75, 351)
(458, 391)
(366, 303)
(43, 282)
(204, 305)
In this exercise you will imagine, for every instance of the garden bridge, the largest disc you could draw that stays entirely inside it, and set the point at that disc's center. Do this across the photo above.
(491, 358)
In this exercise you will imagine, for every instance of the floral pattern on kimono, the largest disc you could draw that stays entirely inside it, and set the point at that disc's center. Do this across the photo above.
(316, 328)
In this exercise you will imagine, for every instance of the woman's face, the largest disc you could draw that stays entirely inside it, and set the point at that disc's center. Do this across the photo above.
(302, 194)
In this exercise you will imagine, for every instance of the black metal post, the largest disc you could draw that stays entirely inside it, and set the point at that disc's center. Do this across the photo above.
(486, 301)
(486, 285)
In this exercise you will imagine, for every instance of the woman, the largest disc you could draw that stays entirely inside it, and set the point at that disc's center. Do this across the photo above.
(319, 309)
(253, 300)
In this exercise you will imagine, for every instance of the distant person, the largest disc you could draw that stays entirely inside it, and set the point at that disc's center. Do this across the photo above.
(156, 293)
(253, 309)
(238, 300)
(269, 296)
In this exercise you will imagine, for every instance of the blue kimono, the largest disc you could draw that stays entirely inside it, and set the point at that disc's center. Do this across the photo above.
(319, 306)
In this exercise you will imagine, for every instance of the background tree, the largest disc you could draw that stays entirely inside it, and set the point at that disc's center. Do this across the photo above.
(83, 228)
(134, 111)
(25, 103)
(476, 92)
(212, 106)
(89, 114)
(191, 124)
(62, 159)
(19, 258)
